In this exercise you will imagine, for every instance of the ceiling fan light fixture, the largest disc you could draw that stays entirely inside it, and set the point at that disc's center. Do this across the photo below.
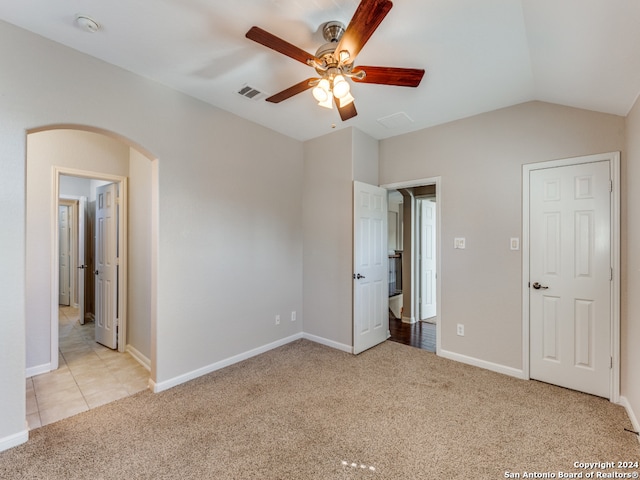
(328, 103)
(322, 91)
(344, 55)
(341, 87)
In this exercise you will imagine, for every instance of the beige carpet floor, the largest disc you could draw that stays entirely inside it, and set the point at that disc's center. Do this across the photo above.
(305, 411)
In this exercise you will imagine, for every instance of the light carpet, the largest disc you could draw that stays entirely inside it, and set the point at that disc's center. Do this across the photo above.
(305, 411)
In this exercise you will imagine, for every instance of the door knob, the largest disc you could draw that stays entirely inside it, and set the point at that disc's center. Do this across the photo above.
(537, 286)
(96, 272)
(360, 276)
(83, 266)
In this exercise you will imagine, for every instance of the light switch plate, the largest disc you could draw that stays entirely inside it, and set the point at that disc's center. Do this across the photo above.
(515, 243)
(459, 242)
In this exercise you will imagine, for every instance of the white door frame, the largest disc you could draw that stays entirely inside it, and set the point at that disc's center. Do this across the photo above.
(614, 166)
(437, 181)
(122, 239)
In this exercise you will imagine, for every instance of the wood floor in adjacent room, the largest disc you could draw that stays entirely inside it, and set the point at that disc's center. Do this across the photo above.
(420, 334)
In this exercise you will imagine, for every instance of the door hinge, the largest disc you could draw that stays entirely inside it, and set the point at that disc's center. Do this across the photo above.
(610, 186)
(610, 273)
(611, 364)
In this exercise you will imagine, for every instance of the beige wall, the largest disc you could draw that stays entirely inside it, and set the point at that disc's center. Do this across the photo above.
(480, 161)
(630, 332)
(327, 225)
(139, 249)
(328, 230)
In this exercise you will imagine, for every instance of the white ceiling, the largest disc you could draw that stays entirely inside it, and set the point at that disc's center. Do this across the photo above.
(479, 55)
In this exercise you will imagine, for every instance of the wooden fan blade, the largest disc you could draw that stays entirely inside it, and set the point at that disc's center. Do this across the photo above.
(279, 45)
(348, 111)
(368, 16)
(403, 77)
(291, 91)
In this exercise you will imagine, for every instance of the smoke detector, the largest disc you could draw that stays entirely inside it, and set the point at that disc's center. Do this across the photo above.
(87, 23)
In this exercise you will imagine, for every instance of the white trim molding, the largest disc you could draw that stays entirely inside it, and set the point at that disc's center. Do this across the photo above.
(476, 362)
(614, 170)
(139, 357)
(38, 370)
(630, 413)
(157, 387)
(14, 440)
(328, 343)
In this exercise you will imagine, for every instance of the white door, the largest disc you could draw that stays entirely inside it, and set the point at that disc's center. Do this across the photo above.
(370, 269)
(427, 259)
(82, 261)
(64, 243)
(570, 274)
(106, 262)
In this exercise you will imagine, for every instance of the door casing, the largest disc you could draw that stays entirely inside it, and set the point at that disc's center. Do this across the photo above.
(122, 237)
(614, 166)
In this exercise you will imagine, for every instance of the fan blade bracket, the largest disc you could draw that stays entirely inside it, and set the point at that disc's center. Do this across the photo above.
(359, 75)
(319, 65)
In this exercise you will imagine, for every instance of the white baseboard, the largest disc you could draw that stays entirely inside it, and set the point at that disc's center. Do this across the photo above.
(329, 343)
(157, 387)
(139, 357)
(14, 440)
(408, 319)
(632, 416)
(494, 367)
(38, 370)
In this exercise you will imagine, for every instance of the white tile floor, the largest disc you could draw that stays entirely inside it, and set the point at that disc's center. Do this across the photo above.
(89, 375)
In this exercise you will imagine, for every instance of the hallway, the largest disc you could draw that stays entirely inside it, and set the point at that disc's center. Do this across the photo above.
(89, 375)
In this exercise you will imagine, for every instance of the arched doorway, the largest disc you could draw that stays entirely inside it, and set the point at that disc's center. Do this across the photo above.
(83, 153)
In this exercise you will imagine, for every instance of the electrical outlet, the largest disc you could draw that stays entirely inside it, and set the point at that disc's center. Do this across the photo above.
(460, 330)
(459, 243)
(277, 319)
(293, 316)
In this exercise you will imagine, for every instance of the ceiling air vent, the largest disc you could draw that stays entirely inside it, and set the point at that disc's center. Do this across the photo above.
(397, 120)
(251, 93)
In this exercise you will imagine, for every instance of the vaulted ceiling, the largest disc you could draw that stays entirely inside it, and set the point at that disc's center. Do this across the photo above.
(479, 55)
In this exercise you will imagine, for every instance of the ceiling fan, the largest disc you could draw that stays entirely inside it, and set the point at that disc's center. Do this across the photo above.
(333, 61)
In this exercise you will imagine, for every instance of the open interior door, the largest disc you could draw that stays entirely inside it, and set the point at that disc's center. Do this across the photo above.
(370, 269)
(106, 264)
(427, 259)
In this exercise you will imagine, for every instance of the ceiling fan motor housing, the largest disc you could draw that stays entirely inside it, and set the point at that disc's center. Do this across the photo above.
(332, 31)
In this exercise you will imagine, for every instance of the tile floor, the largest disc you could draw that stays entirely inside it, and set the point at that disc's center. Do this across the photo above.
(89, 375)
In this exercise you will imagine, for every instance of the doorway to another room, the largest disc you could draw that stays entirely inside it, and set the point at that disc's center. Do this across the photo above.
(91, 311)
(413, 264)
(91, 370)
